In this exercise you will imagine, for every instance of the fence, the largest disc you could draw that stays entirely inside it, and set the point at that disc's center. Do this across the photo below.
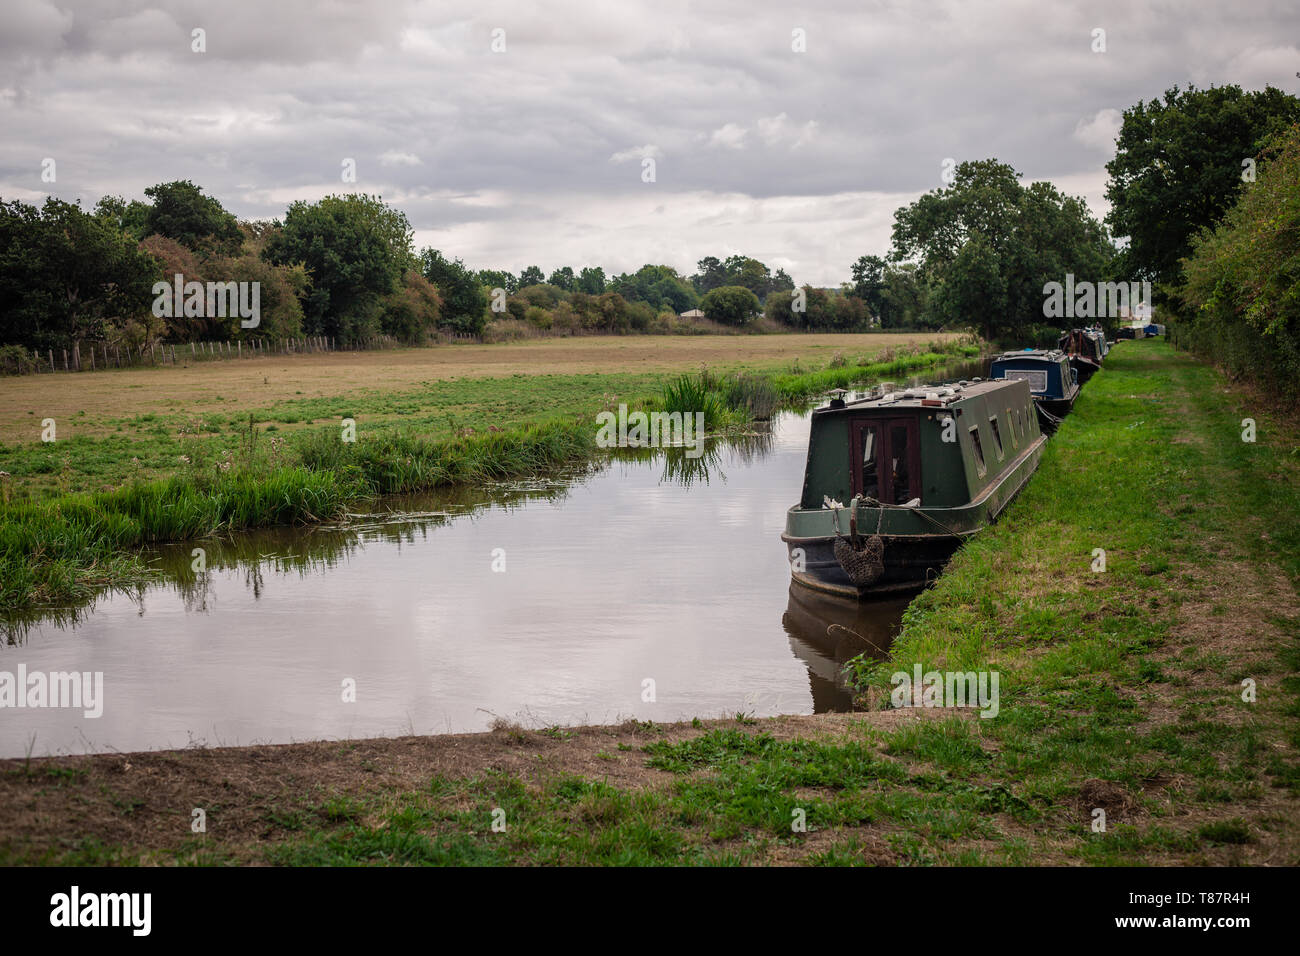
(101, 355)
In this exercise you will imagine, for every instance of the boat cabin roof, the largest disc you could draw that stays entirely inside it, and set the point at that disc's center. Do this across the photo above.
(920, 396)
(1042, 355)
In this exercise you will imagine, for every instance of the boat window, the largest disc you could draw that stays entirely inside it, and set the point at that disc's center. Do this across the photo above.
(900, 457)
(870, 466)
(997, 435)
(979, 449)
(1014, 422)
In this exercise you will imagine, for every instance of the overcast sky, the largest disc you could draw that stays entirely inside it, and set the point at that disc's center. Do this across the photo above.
(533, 155)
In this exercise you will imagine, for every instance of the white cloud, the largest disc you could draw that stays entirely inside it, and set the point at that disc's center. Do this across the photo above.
(1099, 131)
(729, 136)
(778, 130)
(395, 157)
(637, 152)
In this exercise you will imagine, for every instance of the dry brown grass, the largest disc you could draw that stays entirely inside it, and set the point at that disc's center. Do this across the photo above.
(258, 382)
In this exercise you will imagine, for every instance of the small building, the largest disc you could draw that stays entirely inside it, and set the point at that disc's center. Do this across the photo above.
(692, 314)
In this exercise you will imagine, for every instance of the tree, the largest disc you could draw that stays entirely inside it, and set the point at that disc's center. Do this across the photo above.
(988, 245)
(591, 280)
(531, 276)
(68, 276)
(413, 311)
(1239, 303)
(1179, 166)
(905, 299)
(356, 250)
(131, 217)
(660, 287)
(180, 211)
(464, 300)
(742, 271)
(869, 282)
(822, 310)
(498, 279)
(563, 279)
(781, 282)
(730, 305)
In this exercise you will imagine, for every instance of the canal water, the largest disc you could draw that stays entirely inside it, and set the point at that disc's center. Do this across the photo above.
(651, 586)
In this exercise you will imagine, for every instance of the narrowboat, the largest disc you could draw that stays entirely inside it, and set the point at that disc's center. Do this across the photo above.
(1098, 335)
(894, 483)
(1053, 384)
(1085, 352)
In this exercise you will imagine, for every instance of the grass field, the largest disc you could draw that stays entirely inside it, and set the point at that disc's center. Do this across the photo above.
(166, 465)
(1121, 691)
(121, 425)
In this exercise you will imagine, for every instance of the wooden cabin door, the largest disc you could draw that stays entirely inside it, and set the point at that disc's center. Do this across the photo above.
(886, 459)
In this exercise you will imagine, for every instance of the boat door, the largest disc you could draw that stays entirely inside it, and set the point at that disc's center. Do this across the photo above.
(886, 459)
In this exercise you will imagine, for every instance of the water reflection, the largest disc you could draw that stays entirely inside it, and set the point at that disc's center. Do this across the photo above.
(826, 631)
(682, 468)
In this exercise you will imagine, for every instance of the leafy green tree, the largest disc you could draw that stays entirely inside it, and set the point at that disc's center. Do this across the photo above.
(869, 282)
(822, 311)
(412, 312)
(987, 246)
(709, 275)
(131, 217)
(498, 279)
(591, 280)
(464, 300)
(742, 271)
(531, 276)
(905, 299)
(1179, 165)
(660, 287)
(68, 276)
(730, 305)
(563, 279)
(356, 249)
(781, 282)
(1239, 304)
(180, 211)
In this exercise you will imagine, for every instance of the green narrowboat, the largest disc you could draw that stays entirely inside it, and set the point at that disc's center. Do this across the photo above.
(896, 482)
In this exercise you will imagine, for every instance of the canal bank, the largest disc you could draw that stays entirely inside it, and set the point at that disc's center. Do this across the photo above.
(1120, 691)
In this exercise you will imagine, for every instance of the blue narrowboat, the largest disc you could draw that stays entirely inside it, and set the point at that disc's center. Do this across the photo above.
(1053, 383)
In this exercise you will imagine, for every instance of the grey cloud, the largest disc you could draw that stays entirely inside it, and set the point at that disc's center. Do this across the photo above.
(745, 128)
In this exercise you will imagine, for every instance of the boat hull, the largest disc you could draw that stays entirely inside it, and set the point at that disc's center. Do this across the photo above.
(918, 541)
(911, 563)
(1085, 367)
(1056, 407)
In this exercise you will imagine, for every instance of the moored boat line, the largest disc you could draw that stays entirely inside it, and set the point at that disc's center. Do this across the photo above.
(896, 482)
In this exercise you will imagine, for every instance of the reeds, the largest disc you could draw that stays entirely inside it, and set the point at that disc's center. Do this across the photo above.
(59, 551)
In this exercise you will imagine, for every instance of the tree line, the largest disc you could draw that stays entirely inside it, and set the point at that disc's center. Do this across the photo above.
(977, 252)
